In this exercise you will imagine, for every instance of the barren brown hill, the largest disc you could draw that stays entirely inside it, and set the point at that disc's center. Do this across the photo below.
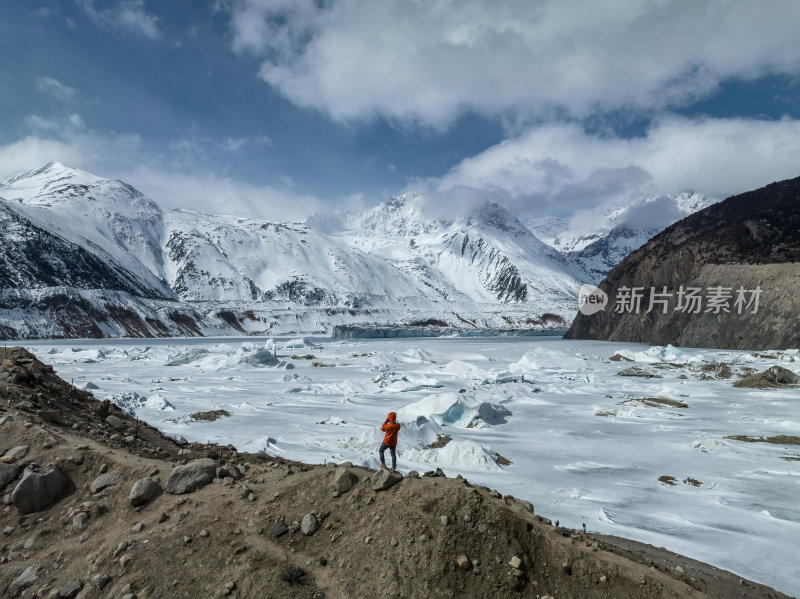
(98, 505)
(750, 241)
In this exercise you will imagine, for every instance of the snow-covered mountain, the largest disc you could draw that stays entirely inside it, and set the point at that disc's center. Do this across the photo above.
(87, 256)
(618, 231)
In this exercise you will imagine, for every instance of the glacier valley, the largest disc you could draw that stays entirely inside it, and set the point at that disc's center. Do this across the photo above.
(634, 441)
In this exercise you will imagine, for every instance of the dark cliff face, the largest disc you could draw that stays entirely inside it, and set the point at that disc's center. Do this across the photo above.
(748, 241)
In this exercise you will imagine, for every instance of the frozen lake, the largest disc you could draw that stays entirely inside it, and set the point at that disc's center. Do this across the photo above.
(582, 444)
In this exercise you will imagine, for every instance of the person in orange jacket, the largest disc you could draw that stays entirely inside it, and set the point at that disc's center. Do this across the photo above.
(391, 427)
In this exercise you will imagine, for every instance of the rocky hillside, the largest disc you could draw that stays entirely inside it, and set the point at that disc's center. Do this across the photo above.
(96, 504)
(726, 252)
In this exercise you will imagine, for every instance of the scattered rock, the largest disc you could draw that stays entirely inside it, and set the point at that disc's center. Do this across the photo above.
(116, 422)
(279, 528)
(344, 479)
(777, 376)
(464, 562)
(385, 479)
(138, 527)
(105, 480)
(639, 372)
(101, 580)
(79, 521)
(71, 589)
(8, 472)
(515, 562)
(309, 525)
(37, 491)
(143, 490)
(24, 580)
(15, 454)
(192, 476)
(435, 473)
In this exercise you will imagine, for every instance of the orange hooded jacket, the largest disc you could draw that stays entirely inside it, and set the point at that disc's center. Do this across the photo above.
(391, 427)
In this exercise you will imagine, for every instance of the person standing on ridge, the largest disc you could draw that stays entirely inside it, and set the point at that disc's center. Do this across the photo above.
(391, 427)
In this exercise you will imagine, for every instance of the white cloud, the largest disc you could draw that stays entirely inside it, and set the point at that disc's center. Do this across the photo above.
(67, 124)
(55, 88)
(560, 167)
(234, 144)
(428, 62)
(128, 15)
(172, 181)
(215, 194)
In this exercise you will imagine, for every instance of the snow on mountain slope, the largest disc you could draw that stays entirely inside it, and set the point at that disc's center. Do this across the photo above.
(107, 218)
(392, 265)
(548, 228)
(485, 256)
(619, 231)
(225, 258)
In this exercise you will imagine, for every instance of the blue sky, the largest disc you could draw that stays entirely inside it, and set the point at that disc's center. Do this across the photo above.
(282, 108)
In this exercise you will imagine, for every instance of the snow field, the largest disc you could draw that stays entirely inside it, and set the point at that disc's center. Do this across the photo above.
(544, 419)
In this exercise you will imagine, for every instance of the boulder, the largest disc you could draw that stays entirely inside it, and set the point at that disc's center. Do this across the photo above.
(101, 580)
(143, 490)
(15, 453)
(8, 472)
(344, 479)
(192, 476)
(105, 480)
(71, 589)
(116, 422)
(309, 525)
(783, 376)
(527, 505)
(775, 376)
(79, 521)
(23, 581)
(279, 528)
(385, 479)
(36, 491)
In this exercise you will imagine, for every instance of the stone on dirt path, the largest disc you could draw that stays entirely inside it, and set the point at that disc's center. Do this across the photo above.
(385, 479)
(192, 476)
(36, 490)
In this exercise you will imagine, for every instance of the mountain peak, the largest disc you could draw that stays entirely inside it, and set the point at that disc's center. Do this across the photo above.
(53, 174)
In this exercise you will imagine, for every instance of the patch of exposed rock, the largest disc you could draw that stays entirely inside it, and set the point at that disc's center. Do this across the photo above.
(772, 378)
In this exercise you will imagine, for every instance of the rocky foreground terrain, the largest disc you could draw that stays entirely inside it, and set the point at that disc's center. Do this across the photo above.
(96, 504)
(749, 241)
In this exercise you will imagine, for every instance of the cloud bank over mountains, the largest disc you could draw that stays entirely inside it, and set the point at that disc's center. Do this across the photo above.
(594, 103)
(428, 62)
